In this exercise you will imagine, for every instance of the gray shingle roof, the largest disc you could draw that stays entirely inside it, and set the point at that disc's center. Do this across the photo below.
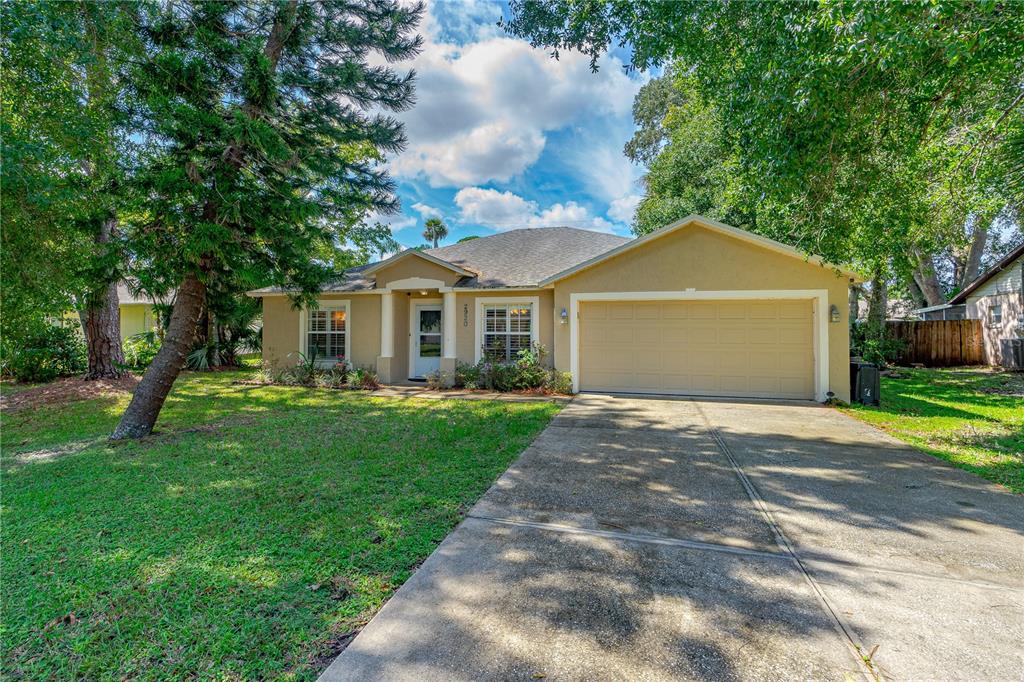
(521, 258)
(517, 258)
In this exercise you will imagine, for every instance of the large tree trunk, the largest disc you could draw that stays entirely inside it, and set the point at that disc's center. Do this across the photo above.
(878, 302)
(101, 322)
(138, 420)
(926, 279)
(972, 266)
(102, 325)
(854, 303)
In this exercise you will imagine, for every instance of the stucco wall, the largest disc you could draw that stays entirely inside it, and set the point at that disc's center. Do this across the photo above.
(699, 258)
(466, 339)
(281, 329)
(414, 266)
(1011, 327)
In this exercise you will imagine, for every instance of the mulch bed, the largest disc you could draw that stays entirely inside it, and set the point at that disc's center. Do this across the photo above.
(66, 390)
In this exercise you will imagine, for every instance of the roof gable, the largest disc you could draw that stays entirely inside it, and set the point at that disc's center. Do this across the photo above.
(1006, 263)
(707, 223)
(416, 253)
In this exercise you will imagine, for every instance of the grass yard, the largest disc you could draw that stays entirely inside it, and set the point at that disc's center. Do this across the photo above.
(246, 540)
(972, 418)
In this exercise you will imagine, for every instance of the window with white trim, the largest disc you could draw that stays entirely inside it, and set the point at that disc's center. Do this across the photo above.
(995, 314)
(325, 334)
(508, 328)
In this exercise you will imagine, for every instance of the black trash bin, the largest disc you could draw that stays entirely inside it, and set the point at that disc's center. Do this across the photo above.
(865, 383)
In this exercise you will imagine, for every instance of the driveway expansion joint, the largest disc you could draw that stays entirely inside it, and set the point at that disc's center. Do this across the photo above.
(843, 628)
(634, 537)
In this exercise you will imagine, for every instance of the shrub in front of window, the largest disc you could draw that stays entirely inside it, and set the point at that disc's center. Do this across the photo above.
(525, 372)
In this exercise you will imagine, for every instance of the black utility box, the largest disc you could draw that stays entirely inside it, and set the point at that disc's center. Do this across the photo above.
(865, 383)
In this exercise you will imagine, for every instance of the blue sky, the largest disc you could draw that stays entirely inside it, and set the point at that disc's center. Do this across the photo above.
(503, 136)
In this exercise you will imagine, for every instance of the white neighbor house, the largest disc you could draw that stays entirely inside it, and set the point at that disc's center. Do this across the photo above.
(997, 299)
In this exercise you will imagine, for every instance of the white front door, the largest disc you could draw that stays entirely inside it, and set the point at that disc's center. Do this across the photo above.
(426, 340)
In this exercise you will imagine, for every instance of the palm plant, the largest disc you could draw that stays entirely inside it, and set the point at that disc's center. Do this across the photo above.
(434, 230)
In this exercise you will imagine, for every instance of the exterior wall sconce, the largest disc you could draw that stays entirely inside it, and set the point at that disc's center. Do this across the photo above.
(564, 316)
(833, 313)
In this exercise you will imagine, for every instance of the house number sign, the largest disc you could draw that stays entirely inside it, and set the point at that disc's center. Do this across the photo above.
(465, 314)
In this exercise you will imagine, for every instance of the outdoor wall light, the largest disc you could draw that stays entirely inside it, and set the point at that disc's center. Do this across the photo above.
(833, 313)
(564, 315)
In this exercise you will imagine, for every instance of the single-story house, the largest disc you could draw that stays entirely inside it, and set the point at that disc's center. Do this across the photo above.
(697, 308)
(137, 313)
(997, 299)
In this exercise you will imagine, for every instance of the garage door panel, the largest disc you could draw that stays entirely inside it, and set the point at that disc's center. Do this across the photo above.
(731, 348)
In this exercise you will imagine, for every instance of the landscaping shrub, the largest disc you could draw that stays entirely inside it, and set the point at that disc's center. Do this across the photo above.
(363, 378)
(438, 379)
(140, 349)
(526, 372)
(559, 382)
(47, 353)
(874, 345)
(309, 371)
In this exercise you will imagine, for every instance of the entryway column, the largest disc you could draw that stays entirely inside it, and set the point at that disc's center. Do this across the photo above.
(448, 318)
(387, 336)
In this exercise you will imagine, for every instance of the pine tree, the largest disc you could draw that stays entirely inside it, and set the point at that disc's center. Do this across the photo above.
(265, 150)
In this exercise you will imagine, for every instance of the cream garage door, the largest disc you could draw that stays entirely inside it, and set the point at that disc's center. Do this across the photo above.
(762, 349)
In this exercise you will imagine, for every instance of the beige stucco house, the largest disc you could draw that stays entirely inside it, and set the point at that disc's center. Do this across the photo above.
(997, 299)
(697, 308)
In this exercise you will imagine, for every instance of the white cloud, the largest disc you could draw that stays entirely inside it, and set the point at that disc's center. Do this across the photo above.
(507, 211)
(484, 107)
(394, 221)
(426, 211)
(622, 209)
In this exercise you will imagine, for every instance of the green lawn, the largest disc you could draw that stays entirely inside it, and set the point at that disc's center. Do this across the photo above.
(245, 540)
(972, 418)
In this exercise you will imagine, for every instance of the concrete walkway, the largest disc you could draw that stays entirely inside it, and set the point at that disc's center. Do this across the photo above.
(649, 539)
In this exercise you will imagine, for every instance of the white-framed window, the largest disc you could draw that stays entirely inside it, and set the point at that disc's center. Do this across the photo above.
(505, 326)
(324, 332)
(995, 314)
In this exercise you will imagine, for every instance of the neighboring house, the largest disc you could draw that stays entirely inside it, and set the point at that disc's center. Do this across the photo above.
(136, 311)
(997, 299)
(697, 307)
(944, 311)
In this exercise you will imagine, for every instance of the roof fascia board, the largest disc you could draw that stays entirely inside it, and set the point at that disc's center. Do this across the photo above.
(713, 225)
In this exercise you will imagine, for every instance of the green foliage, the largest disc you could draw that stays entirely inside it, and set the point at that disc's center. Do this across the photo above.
(343, 496)
(65, 153)
(559, 382)
(862, 129)
(527, 372)
(364, 378)
(259, 174)
(45, 353)
(871, 343)
(469, 238)
(140, 349)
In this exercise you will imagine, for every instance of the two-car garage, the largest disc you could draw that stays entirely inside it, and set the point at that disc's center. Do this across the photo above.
(705, 309)
(756, 348)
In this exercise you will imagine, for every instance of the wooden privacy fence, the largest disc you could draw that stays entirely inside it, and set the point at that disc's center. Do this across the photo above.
(939, 343)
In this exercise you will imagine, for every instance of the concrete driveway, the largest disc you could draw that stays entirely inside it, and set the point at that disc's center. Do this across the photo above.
(674, 539)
